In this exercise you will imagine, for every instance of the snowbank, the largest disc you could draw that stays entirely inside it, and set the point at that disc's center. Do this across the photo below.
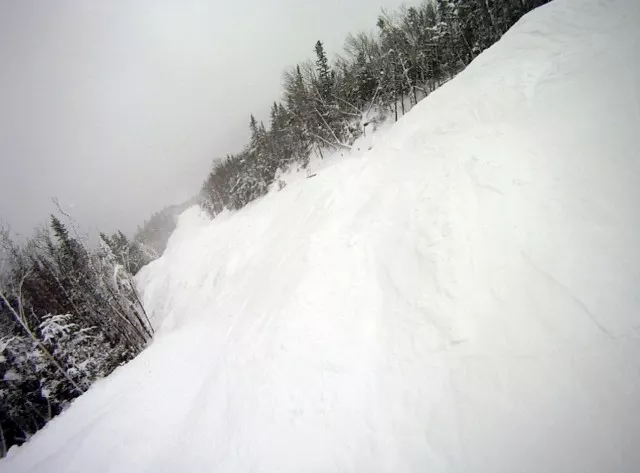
(463, 297)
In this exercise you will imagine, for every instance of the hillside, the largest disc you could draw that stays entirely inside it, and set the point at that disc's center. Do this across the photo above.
(462, 297)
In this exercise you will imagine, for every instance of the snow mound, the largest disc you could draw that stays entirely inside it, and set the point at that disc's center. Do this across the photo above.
(463, 297)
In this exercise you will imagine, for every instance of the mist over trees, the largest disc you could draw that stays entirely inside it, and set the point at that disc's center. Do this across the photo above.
(153, 235)
(327, 106)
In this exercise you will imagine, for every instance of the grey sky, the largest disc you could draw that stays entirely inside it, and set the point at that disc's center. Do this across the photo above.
(118, 107)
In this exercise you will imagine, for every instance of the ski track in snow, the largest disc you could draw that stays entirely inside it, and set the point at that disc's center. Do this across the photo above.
(463, 297)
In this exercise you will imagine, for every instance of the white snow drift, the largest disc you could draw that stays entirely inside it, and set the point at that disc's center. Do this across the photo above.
(464, 297)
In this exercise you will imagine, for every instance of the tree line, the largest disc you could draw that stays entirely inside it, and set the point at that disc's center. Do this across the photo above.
(327, 106)
(69, 315)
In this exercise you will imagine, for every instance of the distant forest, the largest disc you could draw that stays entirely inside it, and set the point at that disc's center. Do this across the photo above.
(70, 313)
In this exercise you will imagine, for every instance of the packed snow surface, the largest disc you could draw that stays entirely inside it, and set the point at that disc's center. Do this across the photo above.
(463, 297)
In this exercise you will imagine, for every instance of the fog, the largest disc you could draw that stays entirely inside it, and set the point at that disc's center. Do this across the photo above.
(119, 108)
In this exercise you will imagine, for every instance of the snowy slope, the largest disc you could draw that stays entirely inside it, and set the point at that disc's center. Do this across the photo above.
(464, 297)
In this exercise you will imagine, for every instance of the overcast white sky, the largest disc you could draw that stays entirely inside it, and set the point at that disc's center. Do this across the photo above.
(118, 108)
